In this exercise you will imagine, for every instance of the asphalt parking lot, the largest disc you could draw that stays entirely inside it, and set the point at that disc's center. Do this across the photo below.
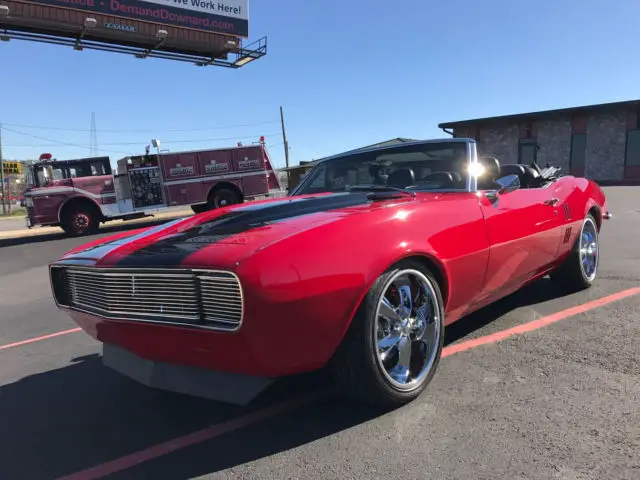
(558, 399)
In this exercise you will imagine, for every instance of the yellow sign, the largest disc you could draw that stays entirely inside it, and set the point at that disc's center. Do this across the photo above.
(12, 168)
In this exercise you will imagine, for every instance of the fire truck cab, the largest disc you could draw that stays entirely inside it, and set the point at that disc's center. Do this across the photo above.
(68, 193)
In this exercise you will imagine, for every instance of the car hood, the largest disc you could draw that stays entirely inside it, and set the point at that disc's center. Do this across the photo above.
(223, 238)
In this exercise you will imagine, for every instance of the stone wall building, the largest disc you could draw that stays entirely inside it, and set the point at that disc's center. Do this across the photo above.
(601, 142)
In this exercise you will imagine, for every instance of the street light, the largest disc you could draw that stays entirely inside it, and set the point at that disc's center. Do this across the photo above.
(243, 61)
(90, 23)
(155, 143)
(162, 34)
(4, 10)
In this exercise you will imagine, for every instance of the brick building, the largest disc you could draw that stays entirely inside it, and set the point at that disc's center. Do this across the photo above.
(601, 142)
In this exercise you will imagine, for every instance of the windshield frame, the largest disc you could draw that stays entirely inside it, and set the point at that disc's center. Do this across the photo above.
(471, 151)
(66, 169)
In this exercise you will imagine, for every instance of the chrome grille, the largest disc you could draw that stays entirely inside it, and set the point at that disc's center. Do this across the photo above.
(204, 298)
(221, 298)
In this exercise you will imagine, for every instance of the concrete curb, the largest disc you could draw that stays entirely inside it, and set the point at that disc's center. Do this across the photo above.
(40, 231)
(13, 217)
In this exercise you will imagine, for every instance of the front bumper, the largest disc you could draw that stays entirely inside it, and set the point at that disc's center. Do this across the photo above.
(198, 382)
(287, 328)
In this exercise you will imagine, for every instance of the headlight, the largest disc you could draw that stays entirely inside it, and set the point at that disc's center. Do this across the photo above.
(28, 201)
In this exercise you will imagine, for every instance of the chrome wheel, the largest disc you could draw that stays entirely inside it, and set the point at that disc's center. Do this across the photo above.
(407, 329)
(589, 249)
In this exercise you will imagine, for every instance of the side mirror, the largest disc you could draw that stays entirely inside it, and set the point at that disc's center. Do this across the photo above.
(508, 183)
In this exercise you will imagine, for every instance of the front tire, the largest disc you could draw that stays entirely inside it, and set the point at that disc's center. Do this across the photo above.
(580, 270)
(80, 220)
(393, 346)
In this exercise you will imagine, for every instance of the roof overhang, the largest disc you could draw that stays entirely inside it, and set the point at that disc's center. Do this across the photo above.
(545, 114)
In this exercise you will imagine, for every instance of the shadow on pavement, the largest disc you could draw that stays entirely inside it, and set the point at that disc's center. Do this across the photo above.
(540, 291)
(66, 420)
(104, 230)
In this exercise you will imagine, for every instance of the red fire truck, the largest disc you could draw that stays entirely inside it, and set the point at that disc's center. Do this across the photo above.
(79, 194)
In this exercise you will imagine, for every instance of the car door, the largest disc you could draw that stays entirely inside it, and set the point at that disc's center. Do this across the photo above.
(559, 198)
(522, 229)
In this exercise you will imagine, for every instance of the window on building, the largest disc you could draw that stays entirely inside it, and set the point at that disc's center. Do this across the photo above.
(527, 151)
(633, 149)
(578, 153)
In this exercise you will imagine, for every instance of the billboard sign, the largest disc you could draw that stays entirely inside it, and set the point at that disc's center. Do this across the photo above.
(12, 168)
(229, 17)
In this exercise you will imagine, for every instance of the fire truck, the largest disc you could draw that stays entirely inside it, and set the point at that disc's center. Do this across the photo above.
(78, 195)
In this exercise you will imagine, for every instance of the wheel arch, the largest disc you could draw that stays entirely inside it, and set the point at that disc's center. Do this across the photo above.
(436, 267)
(229, 185)
(596, 212)
(427, 259)
(79, 200)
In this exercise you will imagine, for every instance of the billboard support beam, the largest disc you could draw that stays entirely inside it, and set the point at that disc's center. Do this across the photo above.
(162, 35)
(254, 51)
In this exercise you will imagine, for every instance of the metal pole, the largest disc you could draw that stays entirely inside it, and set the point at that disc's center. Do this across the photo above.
(284, 138)
(4, 207)
(9, 190)
(286, 147)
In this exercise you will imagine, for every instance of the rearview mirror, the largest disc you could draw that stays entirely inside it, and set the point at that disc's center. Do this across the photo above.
(508, 183)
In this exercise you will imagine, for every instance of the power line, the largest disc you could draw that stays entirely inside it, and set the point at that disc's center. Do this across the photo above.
(56, 143)
(200, 129)
(59, 142)
(194, 140)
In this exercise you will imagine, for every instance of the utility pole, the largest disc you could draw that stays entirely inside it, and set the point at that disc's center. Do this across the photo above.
(286, 145)
(93, 142)
(4, 207)
(8, 189)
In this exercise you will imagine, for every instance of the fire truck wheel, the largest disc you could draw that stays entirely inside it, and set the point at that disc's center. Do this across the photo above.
(222, 197)
(79, 220)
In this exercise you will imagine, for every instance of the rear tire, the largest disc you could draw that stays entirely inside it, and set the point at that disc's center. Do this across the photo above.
(580, 270)
(80, 220)
(371, 365)
(223, 197)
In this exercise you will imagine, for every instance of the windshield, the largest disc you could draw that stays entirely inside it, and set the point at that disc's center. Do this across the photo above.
(46, 173)
(425, 166)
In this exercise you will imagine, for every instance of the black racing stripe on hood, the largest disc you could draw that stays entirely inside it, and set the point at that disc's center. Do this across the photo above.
(174, 249)
(103, 249)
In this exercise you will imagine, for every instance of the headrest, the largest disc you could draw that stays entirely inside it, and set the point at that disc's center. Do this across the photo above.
(514, 169)
(491, 165)
(401, 178)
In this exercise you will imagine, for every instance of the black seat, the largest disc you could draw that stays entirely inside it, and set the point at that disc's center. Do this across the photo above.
(401, 178)
(527, 175)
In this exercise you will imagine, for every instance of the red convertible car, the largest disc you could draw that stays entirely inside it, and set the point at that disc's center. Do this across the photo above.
(360, 270)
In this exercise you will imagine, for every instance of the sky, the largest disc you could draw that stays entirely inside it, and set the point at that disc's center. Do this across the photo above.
(347, 73)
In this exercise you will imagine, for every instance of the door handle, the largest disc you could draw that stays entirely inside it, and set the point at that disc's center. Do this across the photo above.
(551, 202)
